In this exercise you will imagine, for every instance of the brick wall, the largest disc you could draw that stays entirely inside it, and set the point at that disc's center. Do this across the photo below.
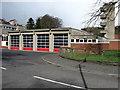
(117, 36)
(114, 45)
(104, 46)
(94, 48)
(90, 46)
(6, 47)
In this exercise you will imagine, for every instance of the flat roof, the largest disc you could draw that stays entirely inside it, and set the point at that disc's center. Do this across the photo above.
(53, 29)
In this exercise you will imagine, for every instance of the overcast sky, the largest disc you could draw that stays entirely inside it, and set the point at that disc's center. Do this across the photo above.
(72, 12)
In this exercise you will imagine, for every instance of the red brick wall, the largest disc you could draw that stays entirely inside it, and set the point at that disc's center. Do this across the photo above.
(104, 46)
(114, 45)
(117, 36)
(94, 48)
(6, 47)
(90, 46)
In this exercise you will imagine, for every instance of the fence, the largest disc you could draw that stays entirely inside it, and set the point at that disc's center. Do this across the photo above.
(90, 55)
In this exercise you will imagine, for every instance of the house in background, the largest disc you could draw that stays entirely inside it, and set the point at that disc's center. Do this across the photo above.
(5, 27)
(11, 25)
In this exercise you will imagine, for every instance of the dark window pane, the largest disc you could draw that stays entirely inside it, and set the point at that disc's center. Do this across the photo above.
(81, 40)
(85, 40)
(89, 40)
(93, 40)
(72, 40)
(77, 40)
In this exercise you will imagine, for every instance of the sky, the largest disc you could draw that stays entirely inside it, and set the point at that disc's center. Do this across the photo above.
(72, 12)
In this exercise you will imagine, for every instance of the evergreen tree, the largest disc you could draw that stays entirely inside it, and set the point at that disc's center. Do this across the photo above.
(37, 26)
(30, 24)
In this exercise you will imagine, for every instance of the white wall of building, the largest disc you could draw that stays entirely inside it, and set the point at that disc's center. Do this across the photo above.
(4, 43)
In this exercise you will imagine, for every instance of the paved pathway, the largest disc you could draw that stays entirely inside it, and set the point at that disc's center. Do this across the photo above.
(86, 66)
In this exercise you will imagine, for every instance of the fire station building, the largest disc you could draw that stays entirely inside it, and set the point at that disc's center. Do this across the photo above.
(48, 39)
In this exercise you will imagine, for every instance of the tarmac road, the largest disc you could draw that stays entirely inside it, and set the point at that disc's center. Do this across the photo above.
(26, 69)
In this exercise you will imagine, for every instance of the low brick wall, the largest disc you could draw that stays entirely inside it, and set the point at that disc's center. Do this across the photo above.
(104, 46)
(117, 36)
(6, 47)
(114, 45)
(90, 46)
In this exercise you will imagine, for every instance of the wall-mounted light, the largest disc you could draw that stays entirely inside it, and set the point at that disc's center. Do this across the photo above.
(85, 37)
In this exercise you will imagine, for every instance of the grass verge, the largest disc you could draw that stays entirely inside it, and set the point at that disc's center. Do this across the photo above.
(109, 56)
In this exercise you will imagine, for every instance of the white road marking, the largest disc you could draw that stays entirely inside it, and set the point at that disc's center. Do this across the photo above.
(3, 68)
(57, 82)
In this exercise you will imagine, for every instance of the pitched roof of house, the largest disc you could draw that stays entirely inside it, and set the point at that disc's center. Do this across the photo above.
(4, 22)
(12, 20)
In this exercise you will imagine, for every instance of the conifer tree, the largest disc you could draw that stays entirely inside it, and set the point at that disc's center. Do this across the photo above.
(30, 24)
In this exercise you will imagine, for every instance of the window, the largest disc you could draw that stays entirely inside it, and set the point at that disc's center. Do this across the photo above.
(60, 40)
(28, 41)
(77, 40)
(89, 40)
(4, 38)
(72, 40)
(15, 41)
(7, 43)
(43, 41)
(93, 40)
(85, 40)
(81, 40)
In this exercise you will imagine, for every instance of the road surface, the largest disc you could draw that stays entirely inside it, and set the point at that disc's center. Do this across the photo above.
(27, 69)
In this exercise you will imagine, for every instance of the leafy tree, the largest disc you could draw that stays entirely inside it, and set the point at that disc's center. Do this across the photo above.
(30, 24)
(48, 21)
(38, 26)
